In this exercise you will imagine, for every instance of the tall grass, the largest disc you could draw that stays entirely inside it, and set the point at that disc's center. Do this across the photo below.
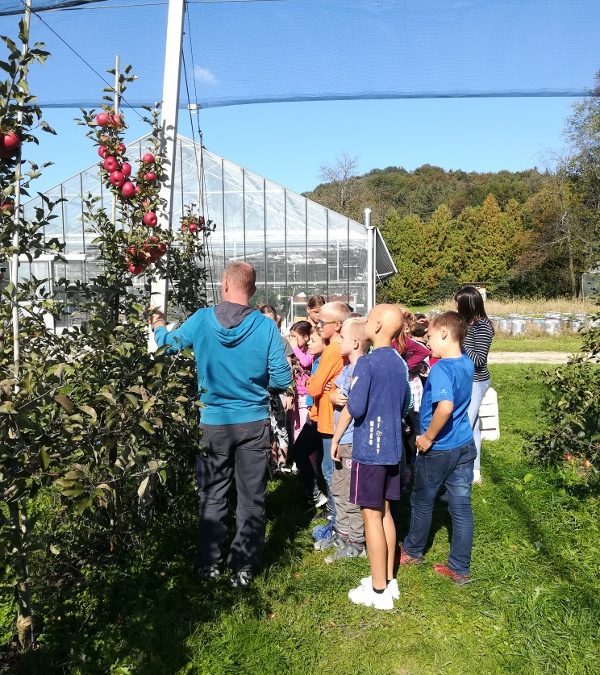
(533, 307)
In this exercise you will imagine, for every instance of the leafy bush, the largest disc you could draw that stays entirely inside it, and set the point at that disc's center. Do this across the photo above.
(571, 441)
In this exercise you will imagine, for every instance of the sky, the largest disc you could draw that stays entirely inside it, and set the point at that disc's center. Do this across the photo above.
(368, 52)
(288, 142)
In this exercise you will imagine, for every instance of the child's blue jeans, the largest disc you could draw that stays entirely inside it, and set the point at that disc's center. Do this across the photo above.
(454, 469)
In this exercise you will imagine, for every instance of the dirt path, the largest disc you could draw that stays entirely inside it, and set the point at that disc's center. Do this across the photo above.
(528, 357)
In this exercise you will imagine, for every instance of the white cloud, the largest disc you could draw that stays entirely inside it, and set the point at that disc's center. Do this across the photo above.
(204, 75)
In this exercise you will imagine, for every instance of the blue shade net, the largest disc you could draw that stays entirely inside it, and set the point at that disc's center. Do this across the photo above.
(251, 51)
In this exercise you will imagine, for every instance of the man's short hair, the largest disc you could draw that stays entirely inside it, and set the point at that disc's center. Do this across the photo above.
(453, 321)
(241, 275)
(338, 311)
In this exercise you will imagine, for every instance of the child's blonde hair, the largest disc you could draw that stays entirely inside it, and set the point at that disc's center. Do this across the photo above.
(356, 326)
(339, 311)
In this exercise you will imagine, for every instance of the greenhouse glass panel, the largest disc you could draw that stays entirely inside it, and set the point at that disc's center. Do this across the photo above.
(299, 248)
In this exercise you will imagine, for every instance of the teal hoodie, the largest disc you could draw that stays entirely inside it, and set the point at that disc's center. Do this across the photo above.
(234, 365)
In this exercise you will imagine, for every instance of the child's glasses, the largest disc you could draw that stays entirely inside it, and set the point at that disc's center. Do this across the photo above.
(321, 323)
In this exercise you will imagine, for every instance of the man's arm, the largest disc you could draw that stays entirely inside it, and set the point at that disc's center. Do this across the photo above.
(177, 339)
(280, 373)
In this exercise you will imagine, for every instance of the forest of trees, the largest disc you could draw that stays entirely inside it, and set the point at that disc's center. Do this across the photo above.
(527, 233)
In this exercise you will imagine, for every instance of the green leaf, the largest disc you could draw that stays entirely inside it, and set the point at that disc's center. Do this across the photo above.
(88, 410)
(143, 486)
(54, 549)
(146, 426)
(65, 402)
(7, 408)
(528, 478)
(44, 458)
(72, 492)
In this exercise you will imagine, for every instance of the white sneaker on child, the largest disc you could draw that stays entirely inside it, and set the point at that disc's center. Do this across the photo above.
(392, 586)
(477, 479)
(365, 595)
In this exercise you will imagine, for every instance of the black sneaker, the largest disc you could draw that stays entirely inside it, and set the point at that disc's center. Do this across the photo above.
(242, 579)
(208, 572)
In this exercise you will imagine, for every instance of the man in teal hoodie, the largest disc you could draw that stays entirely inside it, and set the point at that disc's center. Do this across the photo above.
(239, 353)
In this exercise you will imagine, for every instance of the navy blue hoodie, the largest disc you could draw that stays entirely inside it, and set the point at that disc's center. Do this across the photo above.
(379, 397)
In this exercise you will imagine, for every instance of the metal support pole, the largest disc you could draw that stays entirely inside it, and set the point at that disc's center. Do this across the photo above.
(14, 263)
(370, 260)
(169, 111)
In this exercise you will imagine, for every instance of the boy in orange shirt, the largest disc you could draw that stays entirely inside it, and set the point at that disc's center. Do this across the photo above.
(331, 318)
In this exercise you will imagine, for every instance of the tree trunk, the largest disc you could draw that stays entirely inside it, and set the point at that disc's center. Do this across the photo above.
(18, 518)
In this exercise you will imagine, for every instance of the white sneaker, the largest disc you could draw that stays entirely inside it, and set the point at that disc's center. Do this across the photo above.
(392, 586)
(477, 479)
(365, 595)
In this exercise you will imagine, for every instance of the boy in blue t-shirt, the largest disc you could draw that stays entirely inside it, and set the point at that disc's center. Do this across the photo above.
(377, 400)
(445, 450)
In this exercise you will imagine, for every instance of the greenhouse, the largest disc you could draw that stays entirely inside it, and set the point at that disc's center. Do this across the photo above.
(298, 247)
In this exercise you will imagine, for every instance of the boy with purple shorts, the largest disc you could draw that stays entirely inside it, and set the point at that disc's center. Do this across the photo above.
(379, 397)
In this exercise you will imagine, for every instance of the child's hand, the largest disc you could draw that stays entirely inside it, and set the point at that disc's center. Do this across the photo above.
(334, 451)
(423, 443)
(293, 341)
(338, 398)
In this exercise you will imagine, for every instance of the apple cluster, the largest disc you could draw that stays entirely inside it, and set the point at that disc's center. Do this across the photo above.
(140, 194)
(192, 223)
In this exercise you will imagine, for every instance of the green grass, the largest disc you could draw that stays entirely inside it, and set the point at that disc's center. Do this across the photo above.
(564, 342)
(533, 607)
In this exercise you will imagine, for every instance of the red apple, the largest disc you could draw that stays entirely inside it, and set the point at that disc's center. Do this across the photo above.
(150, 219)
(193, 227)
(128, 189)
(110, 164)
(137, 189)
(7, 207)
(184, 226)
(103, 151)
(116, 120)
(135, 268)
(102, 119)
(162, 248)
(148, 158)
(116, 178)
(150, 176)
(121, 149)
(9, 144)
(126, 169)
(131, 250)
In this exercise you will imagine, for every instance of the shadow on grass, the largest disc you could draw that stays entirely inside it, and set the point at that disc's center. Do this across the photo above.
(563, 568)
(141, 612)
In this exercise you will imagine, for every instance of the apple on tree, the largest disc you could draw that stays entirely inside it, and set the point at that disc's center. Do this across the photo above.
(150, 219)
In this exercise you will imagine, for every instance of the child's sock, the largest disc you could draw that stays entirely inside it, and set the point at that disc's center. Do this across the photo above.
(379, 591)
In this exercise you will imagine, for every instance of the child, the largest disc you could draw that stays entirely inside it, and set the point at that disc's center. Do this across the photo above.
(279, 404)
(446, 451)
(308, 446)
(377, 400)
(302, 361)
(332, 316)
(416, 354)
(349, 528)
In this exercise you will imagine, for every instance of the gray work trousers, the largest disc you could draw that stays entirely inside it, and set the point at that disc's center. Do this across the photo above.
(240, 452)
(348, 520)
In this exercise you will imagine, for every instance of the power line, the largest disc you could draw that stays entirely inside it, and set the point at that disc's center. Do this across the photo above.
(81, 58)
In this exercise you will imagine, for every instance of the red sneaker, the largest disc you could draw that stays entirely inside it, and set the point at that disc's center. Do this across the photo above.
(405, 559)
(445, 571)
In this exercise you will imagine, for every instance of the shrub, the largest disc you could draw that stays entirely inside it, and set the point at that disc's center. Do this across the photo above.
(571, 440)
